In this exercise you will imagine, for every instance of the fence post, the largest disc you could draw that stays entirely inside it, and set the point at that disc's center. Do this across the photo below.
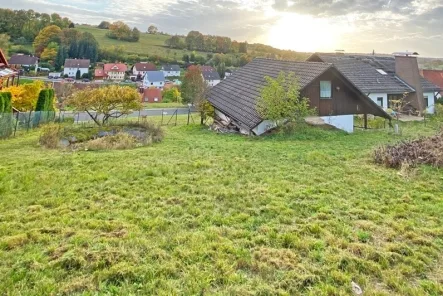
(189, 114)
(162, 118)
(29, 120)
(16, 123)
(176, 115)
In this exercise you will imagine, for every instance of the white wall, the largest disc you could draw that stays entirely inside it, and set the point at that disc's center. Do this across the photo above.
(171, 73)
(380, 95)
(263, 127)
(343, 122)
(71, 72)
(213, 82)
(158, 84)
(431, 102)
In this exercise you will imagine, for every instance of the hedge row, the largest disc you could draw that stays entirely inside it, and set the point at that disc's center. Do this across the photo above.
(6, 116)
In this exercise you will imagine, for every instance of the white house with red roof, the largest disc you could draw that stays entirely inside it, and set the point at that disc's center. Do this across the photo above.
(115, 71)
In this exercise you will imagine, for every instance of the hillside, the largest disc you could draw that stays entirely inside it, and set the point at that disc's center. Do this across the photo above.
(147, 45)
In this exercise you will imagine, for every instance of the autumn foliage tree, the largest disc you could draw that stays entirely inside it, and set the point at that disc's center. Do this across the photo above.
(24, 97)
(195, 90)
(46, 36)
(104, 103)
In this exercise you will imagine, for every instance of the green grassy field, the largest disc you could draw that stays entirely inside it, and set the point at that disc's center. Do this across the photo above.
(147, 45)
(208, 214)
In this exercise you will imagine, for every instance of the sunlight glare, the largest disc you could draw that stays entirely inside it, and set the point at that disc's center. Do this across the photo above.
(304, 33)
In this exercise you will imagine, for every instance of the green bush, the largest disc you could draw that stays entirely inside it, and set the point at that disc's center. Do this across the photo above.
(45, 107)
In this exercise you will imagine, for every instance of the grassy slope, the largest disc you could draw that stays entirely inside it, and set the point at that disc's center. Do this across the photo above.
(147, 45)
(212, 214)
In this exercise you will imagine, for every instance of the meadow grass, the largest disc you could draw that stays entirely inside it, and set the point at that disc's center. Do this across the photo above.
(209, 214)
(148, 44)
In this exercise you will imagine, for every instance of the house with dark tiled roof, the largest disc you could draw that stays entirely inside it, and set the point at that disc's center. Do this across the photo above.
(385, 78)
(210, 75)
(139, 69)
(334, 96)
(171, 70)
(20, 61)
(73, 65)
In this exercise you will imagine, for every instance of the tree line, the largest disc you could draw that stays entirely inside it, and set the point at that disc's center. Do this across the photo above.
(24, 25)
(209, 43)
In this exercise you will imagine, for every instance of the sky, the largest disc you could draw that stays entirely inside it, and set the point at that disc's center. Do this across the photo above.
(385, 26)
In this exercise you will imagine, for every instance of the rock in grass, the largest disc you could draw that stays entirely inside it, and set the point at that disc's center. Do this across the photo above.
(356, 289)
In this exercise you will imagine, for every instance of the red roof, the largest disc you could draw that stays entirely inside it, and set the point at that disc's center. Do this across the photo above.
(3, 61)
(151, 94)
(115, 68)
(143, 67)
(434, 76)
(99, 73)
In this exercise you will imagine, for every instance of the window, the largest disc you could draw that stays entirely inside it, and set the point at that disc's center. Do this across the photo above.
(325, 89)
(426, 101)
(380, 101)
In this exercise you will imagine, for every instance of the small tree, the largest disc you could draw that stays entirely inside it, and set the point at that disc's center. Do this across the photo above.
(152, 29)
(280, 100)
(78, 74)
(104, 103)
(194, 91)
(221, 69)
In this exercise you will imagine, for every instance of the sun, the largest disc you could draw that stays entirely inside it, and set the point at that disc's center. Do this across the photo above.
(304, 33)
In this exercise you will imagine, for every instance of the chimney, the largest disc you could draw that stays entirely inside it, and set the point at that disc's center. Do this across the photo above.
(406, 68)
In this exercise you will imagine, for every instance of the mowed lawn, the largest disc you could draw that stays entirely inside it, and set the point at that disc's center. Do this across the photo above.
(208, 214)
(147, 45)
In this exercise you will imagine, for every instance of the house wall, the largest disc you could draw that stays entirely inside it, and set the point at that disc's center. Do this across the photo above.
(264, 126)
(148, 84)
(213, 82)
(375, 96)
(344, 100)
(72, 72)
(116, 75)
(431, 102)
(135, 72)
(343, 122)
(171, 73)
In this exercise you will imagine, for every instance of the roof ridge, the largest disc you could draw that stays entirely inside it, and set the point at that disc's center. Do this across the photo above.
(290, 61)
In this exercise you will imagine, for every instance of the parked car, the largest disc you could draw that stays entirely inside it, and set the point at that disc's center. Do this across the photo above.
(69, 79)
(85, 80)
(50, 77)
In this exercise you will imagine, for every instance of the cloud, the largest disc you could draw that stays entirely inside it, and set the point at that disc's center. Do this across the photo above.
(343, 7)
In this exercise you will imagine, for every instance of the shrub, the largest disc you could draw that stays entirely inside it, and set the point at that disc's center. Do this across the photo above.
(427, 150)
(50, 135)
(6, 116)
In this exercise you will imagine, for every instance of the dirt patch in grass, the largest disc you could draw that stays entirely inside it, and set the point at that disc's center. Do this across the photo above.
(115, 137)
